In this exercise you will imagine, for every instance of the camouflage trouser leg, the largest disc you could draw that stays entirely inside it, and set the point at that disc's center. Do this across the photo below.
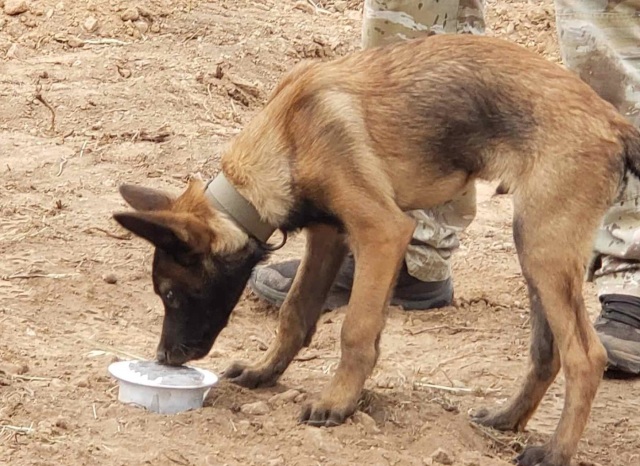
(600, 41)
(436, 235)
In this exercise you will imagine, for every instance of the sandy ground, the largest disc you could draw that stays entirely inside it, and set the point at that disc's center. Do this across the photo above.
(149, 95)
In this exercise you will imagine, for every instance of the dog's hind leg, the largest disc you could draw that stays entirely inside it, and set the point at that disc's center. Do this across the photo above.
(544, 364)
(551, 246)
(325, 251)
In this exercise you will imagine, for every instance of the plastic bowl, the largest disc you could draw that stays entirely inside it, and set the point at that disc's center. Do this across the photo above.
(162, 389)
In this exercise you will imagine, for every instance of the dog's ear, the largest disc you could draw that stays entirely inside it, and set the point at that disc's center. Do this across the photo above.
(174, 233)
(145, 199)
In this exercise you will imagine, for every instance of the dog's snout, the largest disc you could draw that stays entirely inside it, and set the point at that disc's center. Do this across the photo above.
(162, 356)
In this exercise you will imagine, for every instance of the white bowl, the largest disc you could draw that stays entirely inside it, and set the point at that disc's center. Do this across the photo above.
(162, 389)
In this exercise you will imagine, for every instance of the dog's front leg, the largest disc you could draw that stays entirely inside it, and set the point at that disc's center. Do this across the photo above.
(325, 251)
(379, 246)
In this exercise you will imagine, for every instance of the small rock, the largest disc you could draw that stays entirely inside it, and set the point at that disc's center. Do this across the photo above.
(155, 27)
(130, 14)
(284, 397)
(276, 461)
(470, 458)
(304, 6)
(75, 43)
(90, 24)
(110, 278)
(13, 369)
(258, 408)
(340, 6)
(442, 456)
(141, 26)
(15, 7)
(366, 421)
(300, 398)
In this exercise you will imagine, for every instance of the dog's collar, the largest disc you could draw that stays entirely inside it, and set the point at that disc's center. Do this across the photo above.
(226, 198)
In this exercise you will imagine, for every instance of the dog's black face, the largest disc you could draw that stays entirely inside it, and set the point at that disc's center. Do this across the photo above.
(200, 266)
(198, 292)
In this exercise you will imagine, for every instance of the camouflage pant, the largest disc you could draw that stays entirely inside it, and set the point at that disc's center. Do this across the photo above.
(436, 235)
(600, 41)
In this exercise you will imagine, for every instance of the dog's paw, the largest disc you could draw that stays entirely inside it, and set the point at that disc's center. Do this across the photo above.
(248, 376)
(498, 419)
(322, 414)
(538, 456)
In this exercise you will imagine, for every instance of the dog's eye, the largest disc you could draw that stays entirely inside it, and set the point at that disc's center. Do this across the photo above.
(169, 296)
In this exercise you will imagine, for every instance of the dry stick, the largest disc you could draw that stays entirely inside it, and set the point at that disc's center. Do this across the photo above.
(30, 378)
(63, 162)
(108, 233)
(103, 42)
(442, 327)
(112, 350)
(41, 99)
(492, 437)
(20, 276)
(17, 429)
(82, 148)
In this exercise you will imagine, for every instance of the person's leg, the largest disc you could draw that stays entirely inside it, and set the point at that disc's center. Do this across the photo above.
(425, 279)
(600, 41)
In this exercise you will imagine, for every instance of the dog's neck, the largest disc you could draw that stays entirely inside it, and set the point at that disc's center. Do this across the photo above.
(226, 198)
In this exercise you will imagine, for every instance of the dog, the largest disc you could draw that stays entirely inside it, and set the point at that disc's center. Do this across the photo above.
(341, 150)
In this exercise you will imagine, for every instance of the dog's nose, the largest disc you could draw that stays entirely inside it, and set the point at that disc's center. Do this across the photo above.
(162, 356)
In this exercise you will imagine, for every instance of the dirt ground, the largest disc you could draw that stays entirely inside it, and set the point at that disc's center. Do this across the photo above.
(148, 92)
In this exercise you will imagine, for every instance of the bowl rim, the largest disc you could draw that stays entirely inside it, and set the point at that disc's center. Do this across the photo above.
(119, 370)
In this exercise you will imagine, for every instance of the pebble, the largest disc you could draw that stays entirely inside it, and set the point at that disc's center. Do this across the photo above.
(155, 27)
(75, 43)
(130, 14)
(13, 369)
(470, 458)
(141, 26)
(340, 6)
(15, 7)
(257, 408)
(441, 456)
(110, 278)
(284, 397)
(90, 24)
(366, 421)
(304, 6)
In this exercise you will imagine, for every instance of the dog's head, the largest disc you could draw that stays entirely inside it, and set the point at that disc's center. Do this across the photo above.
(201, 265)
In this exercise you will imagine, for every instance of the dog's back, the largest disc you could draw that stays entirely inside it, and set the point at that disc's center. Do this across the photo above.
(450, 108)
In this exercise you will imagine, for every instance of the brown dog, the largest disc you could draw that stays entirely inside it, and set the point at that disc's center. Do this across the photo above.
(341, 150)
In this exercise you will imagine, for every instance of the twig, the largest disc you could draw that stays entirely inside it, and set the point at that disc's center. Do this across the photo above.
(458, 390)
(182, 461)
(63, 162)
(317, 8)
(20, 276)
(103, 42)
(442, 327)
(30, 378)
(126, 237)
(82, 148)
(19, 430)
(491, 437)
(112, 350)
(95, 415)
(42, 100)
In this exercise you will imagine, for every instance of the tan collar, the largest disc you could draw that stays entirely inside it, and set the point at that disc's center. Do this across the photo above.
(226, 198)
